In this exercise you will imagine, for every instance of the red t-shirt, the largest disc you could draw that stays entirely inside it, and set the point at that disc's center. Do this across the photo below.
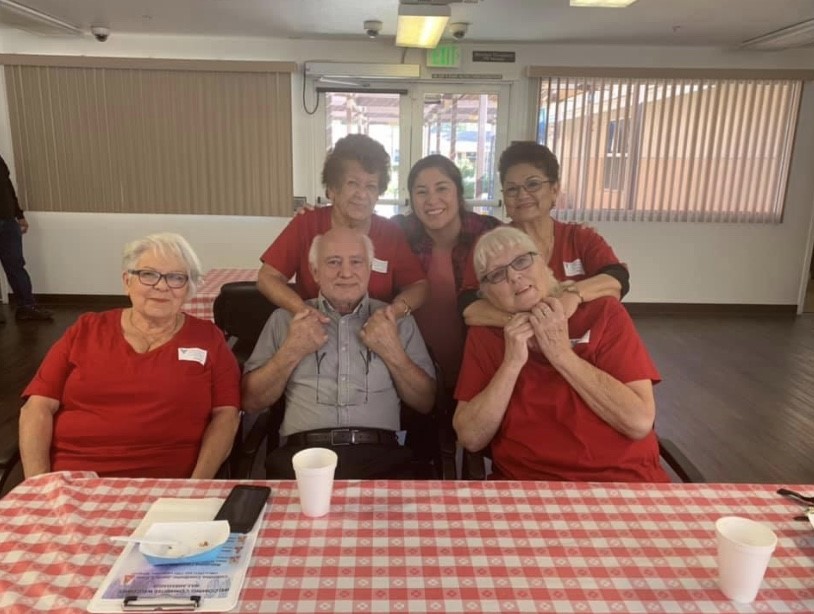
(128, 414)
(579, 253)
(395, 266)
(548, 432)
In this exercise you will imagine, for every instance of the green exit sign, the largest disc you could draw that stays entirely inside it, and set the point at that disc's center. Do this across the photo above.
(444, 56)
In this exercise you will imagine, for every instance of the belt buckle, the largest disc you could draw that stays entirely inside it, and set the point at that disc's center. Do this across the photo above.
(351, 440)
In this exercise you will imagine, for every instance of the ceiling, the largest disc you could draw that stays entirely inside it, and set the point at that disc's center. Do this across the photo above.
(719, 23)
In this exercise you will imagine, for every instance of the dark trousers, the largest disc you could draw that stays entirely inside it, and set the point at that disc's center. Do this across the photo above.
(361, 461)
(11, 257)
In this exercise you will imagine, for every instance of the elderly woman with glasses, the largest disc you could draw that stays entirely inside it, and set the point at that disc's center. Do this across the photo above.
(578, 256)
(578, 408)
(145, 391)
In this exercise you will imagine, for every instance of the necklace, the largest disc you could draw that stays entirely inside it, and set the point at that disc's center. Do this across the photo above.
(156, 339)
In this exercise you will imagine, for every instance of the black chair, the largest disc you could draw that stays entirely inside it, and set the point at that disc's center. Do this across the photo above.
(241, 312)
(474, 463)
(9, 466)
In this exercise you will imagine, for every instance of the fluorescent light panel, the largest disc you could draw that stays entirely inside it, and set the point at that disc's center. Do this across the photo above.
(39, 16)
(614, 4)
(798, 35)
(421, 25)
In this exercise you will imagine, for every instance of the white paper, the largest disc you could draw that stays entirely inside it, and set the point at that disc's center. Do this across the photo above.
(379, 266)
(217, 583)
(192, 354)
(573, 268)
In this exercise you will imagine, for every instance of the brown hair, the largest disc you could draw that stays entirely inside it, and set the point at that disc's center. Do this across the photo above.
(356, 148)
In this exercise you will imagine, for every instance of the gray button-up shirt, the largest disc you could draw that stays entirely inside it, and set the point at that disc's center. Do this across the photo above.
(343, 383)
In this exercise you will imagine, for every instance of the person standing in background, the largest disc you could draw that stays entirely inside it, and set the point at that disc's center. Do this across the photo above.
(13, 226)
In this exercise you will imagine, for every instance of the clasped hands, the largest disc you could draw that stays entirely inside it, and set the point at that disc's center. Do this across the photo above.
(307, 332)
(543, 329)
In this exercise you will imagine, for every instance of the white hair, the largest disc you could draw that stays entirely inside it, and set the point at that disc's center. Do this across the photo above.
(165, 243)
(313, 253)
(499, 240)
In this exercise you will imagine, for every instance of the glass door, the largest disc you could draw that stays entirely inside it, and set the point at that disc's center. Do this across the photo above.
(467, 124)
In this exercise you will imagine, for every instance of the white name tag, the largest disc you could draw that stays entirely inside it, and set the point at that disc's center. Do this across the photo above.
(573, 268)
(584, 339)
(192, 354)
(379, 266)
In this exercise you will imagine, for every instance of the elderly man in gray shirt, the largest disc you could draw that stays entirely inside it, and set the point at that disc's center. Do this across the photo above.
(344, 364)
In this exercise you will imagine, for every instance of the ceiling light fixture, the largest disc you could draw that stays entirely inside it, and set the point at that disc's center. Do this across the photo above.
(39, 16)
(421, 25)
(608, 4)
(798, 35)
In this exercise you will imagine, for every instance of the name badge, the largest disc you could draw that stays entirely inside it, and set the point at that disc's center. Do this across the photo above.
(379, 266)
(192, 354)
(584, 339)
(573, 268)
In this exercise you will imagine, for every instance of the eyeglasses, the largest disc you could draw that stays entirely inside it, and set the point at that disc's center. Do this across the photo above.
(332, 400)
(501, 273)
(531, 186)
(149, 277)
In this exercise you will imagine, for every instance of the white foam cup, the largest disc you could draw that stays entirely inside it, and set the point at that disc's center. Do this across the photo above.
(744, 550)
(314, 468)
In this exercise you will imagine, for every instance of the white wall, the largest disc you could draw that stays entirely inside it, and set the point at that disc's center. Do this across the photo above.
(696, 263)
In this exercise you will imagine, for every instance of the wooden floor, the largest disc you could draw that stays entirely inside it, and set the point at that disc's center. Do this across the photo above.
(737, 395)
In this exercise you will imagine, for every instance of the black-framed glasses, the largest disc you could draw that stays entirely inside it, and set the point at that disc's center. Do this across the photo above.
(501, 273)
(148, 277)
(366, 357)
(531, 186)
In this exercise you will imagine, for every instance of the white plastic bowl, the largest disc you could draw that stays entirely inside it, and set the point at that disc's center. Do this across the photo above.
(194, 542)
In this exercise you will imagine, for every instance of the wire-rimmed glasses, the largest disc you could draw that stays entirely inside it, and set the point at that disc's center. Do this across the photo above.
(501, 273)
(333, 402)
(148, 277)
(531, 186)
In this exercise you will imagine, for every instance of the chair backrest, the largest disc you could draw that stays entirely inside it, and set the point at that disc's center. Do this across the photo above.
(241, 312)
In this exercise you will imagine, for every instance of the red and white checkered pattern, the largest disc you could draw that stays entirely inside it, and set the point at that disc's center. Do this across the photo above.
(392, 546)
(201, 304)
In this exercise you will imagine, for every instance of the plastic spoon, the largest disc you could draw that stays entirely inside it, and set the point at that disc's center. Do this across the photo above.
(173, 547)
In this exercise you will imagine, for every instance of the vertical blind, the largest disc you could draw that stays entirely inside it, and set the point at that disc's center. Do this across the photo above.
(152, 136)
(670, 149)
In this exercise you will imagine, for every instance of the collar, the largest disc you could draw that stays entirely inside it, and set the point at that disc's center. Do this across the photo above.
(324, 305)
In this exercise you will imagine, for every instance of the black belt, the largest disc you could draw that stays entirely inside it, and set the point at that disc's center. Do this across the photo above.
(342, 437)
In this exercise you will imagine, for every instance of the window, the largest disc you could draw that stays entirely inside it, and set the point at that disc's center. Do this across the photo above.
(132, 135)
(463, 127)
(467, 123)
(375, 114)
(670, 149)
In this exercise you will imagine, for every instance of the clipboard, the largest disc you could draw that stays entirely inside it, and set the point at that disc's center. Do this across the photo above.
(134, 585)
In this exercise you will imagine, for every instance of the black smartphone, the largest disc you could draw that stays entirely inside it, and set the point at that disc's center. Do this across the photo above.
(242, 507)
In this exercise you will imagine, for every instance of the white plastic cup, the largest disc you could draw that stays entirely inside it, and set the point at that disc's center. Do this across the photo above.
(744, 550)
(314, 468)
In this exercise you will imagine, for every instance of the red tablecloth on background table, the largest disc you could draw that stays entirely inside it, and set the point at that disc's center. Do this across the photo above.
(405, 546)
(200, 305)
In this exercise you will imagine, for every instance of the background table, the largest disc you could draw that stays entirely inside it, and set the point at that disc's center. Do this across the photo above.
(392, 546)
(201, 304)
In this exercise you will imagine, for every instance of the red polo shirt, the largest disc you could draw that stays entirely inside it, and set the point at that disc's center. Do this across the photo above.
(395, 266)
(548, 432)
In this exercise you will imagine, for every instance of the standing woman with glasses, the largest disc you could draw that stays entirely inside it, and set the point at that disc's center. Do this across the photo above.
(578, 256)
(145, 391)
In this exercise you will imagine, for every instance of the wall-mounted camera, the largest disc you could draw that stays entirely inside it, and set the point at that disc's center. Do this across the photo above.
(100, 33)
(458, 30)
(372, 28)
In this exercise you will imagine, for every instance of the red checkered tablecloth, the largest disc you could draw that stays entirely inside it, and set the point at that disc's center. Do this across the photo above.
(200, 305)
(392, 546)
